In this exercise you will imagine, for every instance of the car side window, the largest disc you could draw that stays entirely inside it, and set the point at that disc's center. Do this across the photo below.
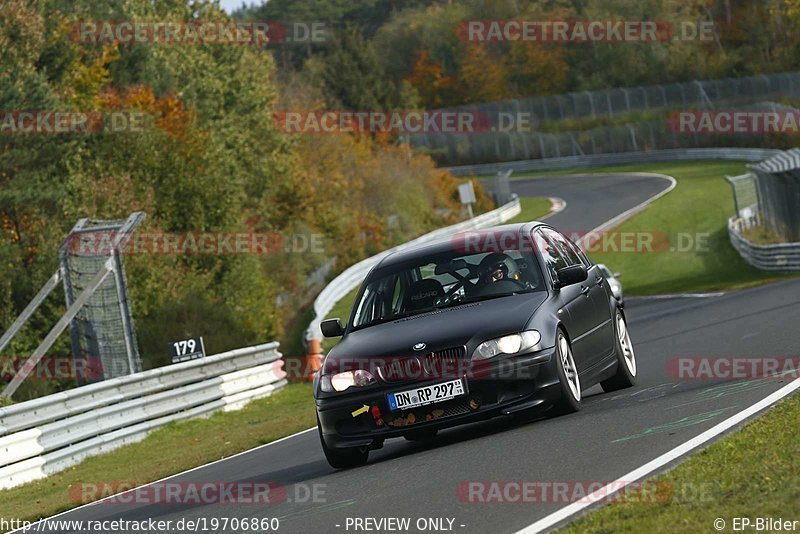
(577, 251)
(564, 246)
(553, 257)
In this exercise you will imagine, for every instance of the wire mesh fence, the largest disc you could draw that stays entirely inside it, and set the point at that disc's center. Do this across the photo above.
(102, 332)
(745, 195)
(622, 100)
(621, 120)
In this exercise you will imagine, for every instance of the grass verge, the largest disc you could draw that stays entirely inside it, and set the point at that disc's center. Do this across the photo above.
(174, 448)
(691, 223)
(754, 472)
(533, 208)
(762, 236)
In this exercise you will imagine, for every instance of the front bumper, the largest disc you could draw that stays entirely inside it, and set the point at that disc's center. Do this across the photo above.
(499, 386)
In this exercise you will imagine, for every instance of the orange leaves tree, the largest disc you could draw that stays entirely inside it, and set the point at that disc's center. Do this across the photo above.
(206, 157)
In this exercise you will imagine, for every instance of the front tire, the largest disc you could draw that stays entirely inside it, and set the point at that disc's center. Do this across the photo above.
(567, 376)
(626, 359)
(344, 458)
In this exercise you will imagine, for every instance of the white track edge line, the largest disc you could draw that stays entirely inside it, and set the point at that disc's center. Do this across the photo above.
(100, 501)
(636, 209)
(651, 466)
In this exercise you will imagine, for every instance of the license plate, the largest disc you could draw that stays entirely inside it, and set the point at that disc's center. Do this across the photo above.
(426, 395)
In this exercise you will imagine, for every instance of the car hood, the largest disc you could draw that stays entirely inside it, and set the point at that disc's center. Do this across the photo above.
(466, 325)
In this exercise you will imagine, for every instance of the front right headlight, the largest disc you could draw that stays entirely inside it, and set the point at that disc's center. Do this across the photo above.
(345, 380)
(512, 344)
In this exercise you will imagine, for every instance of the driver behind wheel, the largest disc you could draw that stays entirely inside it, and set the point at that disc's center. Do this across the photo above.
(494, 268)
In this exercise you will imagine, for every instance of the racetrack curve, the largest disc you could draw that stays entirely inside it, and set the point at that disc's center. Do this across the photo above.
(612, 435)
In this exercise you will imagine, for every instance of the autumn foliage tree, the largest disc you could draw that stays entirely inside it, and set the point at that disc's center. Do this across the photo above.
(207, 158)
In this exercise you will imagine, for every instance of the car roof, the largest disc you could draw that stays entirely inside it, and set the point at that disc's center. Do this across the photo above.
(445, 243)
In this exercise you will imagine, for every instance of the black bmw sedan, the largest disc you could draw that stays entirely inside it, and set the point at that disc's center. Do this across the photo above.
(485, 323)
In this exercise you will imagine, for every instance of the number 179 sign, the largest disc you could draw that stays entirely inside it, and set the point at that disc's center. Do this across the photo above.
(187, 349)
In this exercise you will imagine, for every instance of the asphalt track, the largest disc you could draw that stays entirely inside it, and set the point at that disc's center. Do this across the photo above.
(612, 435)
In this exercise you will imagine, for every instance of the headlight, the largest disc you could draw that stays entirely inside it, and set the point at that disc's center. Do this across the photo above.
(615, 288)
(513, 344)
(342, 381)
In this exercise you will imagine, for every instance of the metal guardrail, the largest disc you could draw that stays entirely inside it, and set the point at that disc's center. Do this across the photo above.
(351, 277)
(49, 434)
(622, 158)
(784, 257)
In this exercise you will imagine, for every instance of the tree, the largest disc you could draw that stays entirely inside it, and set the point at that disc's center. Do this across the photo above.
(483, 78)
(353, 76)
(435, 90)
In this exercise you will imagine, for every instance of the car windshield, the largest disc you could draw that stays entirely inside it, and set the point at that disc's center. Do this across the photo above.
(445, 280)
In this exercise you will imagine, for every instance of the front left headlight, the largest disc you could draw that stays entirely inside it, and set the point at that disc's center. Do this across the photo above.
(512, 344)
(345, 380)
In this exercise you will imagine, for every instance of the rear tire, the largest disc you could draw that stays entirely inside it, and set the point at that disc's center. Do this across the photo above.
(626, 358)
(343, 458)
(567, 376)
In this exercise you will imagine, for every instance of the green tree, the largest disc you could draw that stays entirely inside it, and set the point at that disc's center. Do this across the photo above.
(353, 75)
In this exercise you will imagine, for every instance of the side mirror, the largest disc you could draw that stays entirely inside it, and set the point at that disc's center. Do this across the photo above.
(617, 275)
(573, 274)
(331, 327)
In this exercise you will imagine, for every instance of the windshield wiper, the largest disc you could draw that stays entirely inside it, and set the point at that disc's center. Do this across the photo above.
(453, 304)
(467, 300)
(394, 317)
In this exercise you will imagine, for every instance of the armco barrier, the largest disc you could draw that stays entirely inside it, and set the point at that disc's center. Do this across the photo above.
(52, 433)
(622, 158)
(353, 275)
(784, 257)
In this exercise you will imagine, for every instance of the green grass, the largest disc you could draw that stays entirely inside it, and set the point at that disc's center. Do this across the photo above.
(752, 473)
(762, 235)
(171, 449)
(698, 207)
(533, 208)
